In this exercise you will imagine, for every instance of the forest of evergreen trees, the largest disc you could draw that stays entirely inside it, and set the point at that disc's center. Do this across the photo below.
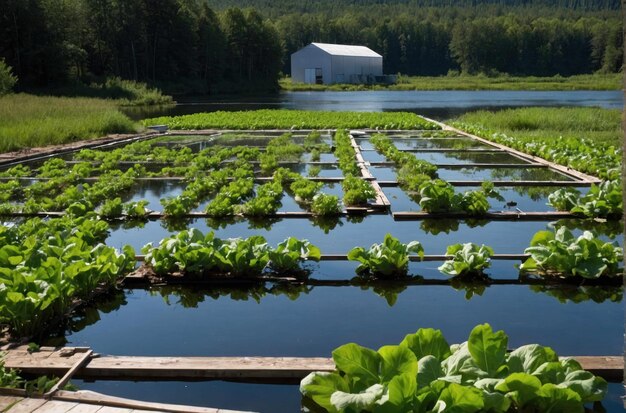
(245, 44)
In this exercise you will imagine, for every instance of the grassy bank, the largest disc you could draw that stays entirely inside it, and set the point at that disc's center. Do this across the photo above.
(28, 121)
(293, 119)
(587, 139)
(123, 92)
(479, 82)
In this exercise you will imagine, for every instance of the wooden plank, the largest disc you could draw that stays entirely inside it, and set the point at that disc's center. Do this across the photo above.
(84, 359)
(54, 406)
(502, 183)
(563, 169)
(8, 401)
(194, 368)
(493, 216)
(85, 408)
(109, 409)
(428, 150)
(28, 405)
(472, 165)
(86, 396)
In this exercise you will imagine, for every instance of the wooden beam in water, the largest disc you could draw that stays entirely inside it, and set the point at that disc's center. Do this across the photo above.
(492, 216)
(256, 369)
(383, 183)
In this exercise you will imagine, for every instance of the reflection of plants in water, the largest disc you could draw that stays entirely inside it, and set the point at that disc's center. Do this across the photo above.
(190, 297)
(221, 223)
(526, 174)
(474, 286)
(576, 294)
(438, 226)
(291, 291)
(611, 229)
(262, 223)
(134, 223)
(175, 224)
(355, 218)
(448, 225)
(86, 316)
(326, 224)
(535, 193)
(389, 292)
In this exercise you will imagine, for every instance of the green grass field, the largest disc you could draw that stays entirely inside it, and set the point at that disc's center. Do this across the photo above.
(28, 121)
(611, 81)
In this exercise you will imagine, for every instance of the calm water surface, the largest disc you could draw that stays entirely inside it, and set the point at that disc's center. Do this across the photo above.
(270, 320)
(436, 104)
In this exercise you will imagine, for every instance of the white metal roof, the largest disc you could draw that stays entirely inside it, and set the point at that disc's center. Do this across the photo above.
(346, 50)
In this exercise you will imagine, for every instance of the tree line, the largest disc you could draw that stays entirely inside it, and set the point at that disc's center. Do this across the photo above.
(211, 46)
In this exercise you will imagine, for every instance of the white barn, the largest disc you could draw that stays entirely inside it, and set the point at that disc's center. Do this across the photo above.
(324, 63)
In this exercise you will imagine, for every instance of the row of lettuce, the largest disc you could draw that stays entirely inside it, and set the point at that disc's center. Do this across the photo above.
(225, 176)
(47, 267)
(425, 374)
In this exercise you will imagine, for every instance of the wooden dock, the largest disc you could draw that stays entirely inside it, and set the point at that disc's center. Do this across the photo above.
(84, 401)
(60, 361)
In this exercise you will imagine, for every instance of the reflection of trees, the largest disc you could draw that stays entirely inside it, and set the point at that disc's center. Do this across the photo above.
(579, 294)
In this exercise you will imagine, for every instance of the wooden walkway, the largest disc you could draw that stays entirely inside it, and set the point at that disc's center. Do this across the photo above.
(58, 362)
(91, 402)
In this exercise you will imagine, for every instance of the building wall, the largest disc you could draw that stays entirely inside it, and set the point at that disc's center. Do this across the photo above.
(310, 57)
(355, 69)
(335, 69)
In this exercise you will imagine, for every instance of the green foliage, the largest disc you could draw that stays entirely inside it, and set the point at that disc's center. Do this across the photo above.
(424, 374)
(195, 254)
(356, 191)
(438, 196)
(29, 121)
(305, 189)
(288, 256)
(326, 205)
(563, 254)
(584, 139)
(286, 119)
(467, 260)
(266, 201)
(46, 266)
(112, 208)
(602, 201)
(7, 79)
(389, 259)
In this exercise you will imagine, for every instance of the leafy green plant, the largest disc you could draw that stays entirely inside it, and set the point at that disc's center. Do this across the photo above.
(356, 191)
(560, 253)
(288, 256)
(604, 200)
(425, 374)
(178, 206)
(326, 205)
(136, 210)
(389, 259)
(564, 199)
(305, 189)
(112, 208)
(467, 260)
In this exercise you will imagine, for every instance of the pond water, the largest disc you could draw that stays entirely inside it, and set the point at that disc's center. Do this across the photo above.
(265, 319)
(436, 104)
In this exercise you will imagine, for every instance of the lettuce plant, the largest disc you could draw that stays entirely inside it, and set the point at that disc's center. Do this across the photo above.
(326, 205)
(425, 374)
(560, 253)
(289, 255)
(467, 259)
(389, 259)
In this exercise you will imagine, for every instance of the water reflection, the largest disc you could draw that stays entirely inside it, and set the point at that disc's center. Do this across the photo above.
(435, 104)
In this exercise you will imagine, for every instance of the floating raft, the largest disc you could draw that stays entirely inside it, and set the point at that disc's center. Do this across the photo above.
(59, 361)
